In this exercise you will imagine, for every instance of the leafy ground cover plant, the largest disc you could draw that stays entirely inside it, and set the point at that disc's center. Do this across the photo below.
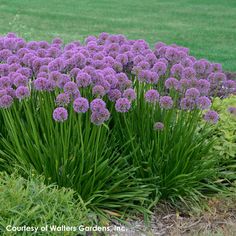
(225, 133)
(105, 116)
(30, 202)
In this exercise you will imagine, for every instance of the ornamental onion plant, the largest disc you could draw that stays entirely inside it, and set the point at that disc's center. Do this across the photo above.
(111, 118)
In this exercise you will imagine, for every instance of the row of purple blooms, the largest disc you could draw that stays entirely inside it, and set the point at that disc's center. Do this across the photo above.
(103, 64)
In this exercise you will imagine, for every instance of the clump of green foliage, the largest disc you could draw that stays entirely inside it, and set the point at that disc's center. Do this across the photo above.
(32, 203)
(225, 133)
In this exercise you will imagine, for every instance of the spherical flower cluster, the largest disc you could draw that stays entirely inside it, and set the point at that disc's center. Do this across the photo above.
(60, 114)
(81, 105)
(129, 94)
(203, 103)
(158, 126)
(122, 105)
(6, 101)
(166, 102)
(211, 116)
(22, 92)
(63, 99)
(232, 110)
(152, 96)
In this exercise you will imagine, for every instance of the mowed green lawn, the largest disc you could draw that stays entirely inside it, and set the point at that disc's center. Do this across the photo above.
(207, 27)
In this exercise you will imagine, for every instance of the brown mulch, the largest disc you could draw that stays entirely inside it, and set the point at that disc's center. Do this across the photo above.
(219, 219)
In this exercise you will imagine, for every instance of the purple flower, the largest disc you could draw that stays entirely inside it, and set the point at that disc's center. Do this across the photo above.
(62, 99)
(152, 96)
(97, 105)
(81, 105)
(158, 126)
(83, 79)
(40, 84)
(6, 101)
(60, 114)
(211, 116)
(22, 92)
(129, 94)
(5, 82)
(232, 110)
(187, 104)
(172, 83)
(70, 87)
(98, 91)
(100, 117)
(166, 102)
(177, 70)
(122, 105)
(203, 86)
(114, 94)
(160, 68)
(20, 80)
(188, 73)
(203, 102)
(192, 93)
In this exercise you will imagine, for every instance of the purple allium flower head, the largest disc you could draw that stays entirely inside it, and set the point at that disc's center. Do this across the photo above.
(203, 102)
(100, 117)
(63, 80)
(192, 93)
(172, 83)
(114, 94)
(188, 73)
(122, 58)
(70, 87)
(97, 105)
(81, 105)
(186, 62)
(122, 105)
(20, 80)
(158, 126)
(151, 58)
(160, 68)
(6, 101)
(11, 92)
(187, 104)
(172, 54)
(211, 116)
(62, 99)
(3, 92)
(4, 69)
(130, 94)
(5, 82)
(216, 67)
(83, 79)
(12, 60)
(74, 72)
(98, 91)
(40, 84)
(144, 65)
(203, 86)
(25, 71)
(166, 102)
(60, 114)
(177, 70)
(199, 67)
(56, 65)
(152, 96)
(54, 76)
(219, 77)
(22, 92)
(232, 110)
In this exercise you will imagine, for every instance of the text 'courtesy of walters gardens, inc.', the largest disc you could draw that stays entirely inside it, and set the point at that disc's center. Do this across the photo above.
(64, 228)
